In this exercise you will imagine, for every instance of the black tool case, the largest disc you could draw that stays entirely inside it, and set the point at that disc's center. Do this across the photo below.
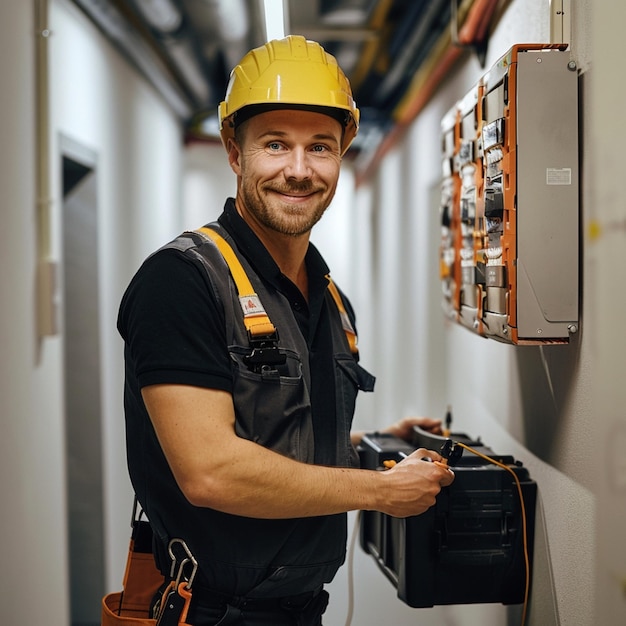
(466, 549)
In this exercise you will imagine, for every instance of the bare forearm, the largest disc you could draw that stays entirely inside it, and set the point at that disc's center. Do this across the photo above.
(267, 485)
(261, 483)
(215, 468)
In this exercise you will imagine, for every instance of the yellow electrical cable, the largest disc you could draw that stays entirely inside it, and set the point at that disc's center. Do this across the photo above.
(524, 527)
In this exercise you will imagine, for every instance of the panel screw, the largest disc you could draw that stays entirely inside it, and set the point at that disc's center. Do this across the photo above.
(572, 66)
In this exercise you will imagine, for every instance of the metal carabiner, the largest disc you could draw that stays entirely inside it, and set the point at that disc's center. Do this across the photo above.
(179, 576)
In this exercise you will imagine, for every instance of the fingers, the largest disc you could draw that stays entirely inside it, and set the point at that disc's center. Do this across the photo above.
(425, 454)
(447, 476)
(415, 482)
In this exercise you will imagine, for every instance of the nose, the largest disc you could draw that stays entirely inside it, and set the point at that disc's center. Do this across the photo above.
(298, 166)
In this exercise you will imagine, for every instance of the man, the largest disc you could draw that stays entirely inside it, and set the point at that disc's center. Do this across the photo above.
(240, 444)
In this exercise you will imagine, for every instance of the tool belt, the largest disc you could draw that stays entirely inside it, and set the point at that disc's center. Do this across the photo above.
(150, 599)
(135, 605)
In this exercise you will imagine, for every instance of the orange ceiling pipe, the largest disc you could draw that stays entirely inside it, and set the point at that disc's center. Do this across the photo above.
(430, 76)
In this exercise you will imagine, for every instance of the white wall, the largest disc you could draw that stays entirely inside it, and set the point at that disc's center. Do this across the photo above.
(207, 181)
(605, 234)
(32, 524)
(99, 102)
(556, 409)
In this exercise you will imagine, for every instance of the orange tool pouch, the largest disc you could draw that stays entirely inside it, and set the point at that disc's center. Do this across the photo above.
(142, 582)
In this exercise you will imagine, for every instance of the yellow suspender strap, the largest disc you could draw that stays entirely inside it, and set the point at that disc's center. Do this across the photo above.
(345, 320)
(255, 318)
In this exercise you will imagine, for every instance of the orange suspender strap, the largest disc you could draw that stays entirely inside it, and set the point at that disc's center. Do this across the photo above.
(345, 320)
(255, 318)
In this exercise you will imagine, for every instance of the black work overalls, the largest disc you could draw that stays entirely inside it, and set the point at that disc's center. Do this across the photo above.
(271, 558)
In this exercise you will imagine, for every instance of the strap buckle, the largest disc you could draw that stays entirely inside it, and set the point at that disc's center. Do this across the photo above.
(265, 354)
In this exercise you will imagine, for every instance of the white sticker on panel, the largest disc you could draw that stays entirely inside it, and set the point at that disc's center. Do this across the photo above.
(559, 176)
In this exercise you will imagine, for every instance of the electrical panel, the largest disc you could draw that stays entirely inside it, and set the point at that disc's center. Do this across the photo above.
(509, 250)
(474, 546)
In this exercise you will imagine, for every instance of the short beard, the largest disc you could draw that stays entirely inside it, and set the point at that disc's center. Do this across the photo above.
(289, 221)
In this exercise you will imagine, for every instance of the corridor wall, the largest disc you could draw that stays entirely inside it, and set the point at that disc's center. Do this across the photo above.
(549, 407)
(98, 103)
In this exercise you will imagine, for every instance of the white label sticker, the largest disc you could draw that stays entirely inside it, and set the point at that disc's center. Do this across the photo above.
(559, 176)
(251, 305)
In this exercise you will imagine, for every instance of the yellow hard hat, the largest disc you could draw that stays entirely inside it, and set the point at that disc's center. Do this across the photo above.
(289, 72)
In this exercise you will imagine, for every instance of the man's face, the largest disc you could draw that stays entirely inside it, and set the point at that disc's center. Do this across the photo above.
(288, 164)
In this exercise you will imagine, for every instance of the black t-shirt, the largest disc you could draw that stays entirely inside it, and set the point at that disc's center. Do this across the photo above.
(175, 331)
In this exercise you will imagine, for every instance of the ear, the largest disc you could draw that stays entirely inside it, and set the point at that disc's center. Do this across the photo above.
(234, 156)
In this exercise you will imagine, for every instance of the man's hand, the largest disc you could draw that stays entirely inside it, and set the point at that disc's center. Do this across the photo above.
(403, 429)
(414, 483)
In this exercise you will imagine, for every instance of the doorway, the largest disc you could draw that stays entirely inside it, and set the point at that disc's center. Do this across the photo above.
(82, 368)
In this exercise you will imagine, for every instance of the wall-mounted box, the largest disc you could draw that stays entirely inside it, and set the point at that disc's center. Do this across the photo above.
(510, 233)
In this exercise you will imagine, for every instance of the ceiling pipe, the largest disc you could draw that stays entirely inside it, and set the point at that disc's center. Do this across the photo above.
(162, 15)
(425, 83)
(232, 21)
(182, 52)
(344, 12)
(167, 24)
(477, 15)
(112, 23)
(410, 49)
(372, 45)
(476, 24)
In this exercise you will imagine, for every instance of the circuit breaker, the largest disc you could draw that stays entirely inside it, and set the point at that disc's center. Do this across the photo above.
(509, 250)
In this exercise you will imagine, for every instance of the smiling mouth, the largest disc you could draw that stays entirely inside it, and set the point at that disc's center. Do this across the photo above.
(294, 197)
(298, 196)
